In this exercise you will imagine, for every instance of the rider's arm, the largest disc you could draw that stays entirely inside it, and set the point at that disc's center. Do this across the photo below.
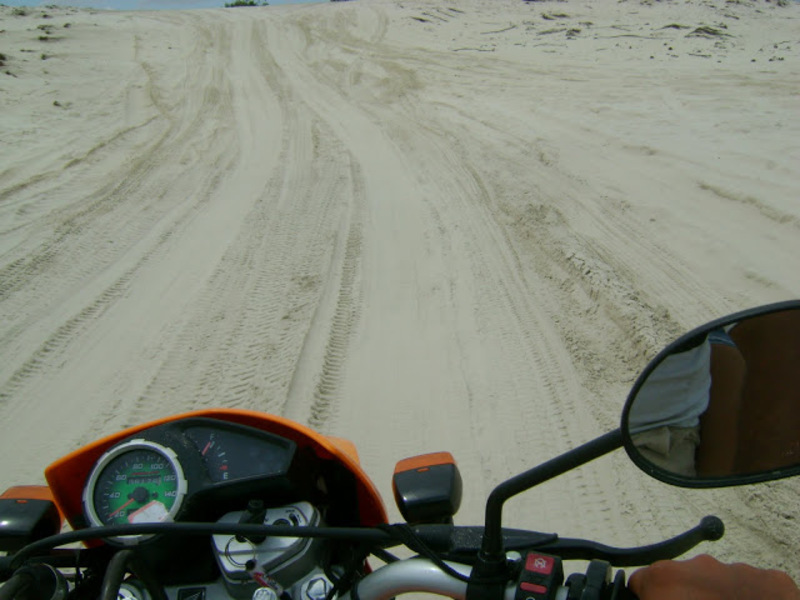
(705, 578)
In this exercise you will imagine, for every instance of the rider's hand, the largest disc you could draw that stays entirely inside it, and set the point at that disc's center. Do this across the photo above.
(705, 578)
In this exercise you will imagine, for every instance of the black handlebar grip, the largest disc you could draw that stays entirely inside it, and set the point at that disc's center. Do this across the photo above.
(620, 591)
(713, 528)
(625, 594)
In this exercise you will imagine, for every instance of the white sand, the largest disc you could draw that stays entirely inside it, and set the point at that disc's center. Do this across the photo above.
(420, 225)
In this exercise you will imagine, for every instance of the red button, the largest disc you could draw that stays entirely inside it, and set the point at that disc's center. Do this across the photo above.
(532, 587)
(539, 564)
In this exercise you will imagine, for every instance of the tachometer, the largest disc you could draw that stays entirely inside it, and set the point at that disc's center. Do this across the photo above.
(135, 482)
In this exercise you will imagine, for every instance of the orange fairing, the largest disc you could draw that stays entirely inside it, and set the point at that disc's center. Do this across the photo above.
(348, 447)
(67, 476)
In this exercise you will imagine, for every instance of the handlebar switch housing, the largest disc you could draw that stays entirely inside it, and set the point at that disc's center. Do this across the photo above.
(596, 584)
(540, 577)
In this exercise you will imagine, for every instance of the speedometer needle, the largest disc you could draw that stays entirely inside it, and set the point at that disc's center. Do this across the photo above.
(140, 495)
(116, 512)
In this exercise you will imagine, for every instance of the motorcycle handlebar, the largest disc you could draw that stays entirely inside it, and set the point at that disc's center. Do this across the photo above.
(420, 575)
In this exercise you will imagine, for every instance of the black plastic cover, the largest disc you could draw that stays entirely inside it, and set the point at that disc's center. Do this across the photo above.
(24, 521)
(429, 495)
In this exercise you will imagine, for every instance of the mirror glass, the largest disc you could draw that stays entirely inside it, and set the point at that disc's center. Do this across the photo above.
(723, 402)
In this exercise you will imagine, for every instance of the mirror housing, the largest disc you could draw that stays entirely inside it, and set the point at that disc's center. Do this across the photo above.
(720, 406)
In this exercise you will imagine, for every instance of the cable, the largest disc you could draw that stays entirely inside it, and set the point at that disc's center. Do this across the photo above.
(368, 535)
(16, 584)
(117, 567)
(407, 536)
(385, 556)
(356, 561)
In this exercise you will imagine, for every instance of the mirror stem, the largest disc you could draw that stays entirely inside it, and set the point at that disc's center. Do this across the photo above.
(492, 546)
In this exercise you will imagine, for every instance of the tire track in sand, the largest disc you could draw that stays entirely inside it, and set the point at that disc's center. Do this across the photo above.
(520, 306)
(91, 249)
(100, 338)
(485, 302)
(341, 326)
(277, 310)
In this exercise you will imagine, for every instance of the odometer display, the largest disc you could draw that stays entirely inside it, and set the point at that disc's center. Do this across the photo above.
(136, 482)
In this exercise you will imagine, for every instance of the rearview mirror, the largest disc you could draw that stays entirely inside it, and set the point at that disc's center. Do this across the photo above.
(720, 406)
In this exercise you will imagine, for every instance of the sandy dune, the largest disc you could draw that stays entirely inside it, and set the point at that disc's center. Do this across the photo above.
(419, 225)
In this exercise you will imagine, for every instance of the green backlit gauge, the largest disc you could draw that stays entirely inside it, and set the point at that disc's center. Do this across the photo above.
(135, 482)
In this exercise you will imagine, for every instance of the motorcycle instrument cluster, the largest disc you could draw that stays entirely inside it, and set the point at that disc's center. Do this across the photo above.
(154, 477)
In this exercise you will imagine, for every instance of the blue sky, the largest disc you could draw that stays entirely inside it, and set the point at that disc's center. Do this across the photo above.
(142, 4)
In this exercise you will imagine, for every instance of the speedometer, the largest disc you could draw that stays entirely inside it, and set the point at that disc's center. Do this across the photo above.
(135, 482)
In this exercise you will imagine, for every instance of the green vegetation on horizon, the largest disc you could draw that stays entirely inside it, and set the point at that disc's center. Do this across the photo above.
(236, 3)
